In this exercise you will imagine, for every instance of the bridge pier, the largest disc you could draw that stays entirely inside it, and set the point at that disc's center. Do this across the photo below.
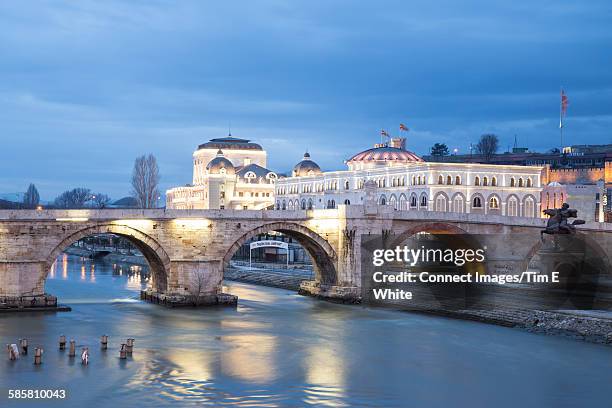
(334, 293)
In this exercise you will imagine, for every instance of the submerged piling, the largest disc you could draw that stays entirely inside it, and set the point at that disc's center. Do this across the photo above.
(130, 345)
(104, 342)
(123, 352)
(72, 350)
(23, 345)
(38, 355)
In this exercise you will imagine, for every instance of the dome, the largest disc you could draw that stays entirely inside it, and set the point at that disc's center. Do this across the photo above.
(385, 154)
(220, 164)
(230, 143)
(555, 184)
(306, 167)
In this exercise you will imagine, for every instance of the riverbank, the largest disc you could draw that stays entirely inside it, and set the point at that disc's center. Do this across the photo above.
(112, 257)
(580, 325)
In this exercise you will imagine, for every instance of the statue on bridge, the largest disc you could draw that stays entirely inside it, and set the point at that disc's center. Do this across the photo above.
(558, 221)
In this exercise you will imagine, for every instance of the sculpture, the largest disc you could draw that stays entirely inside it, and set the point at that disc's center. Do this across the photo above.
(558, 221)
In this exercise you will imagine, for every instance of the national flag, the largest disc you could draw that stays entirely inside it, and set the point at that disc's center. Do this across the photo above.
(403, 127)
(384, 133)
(564, 102)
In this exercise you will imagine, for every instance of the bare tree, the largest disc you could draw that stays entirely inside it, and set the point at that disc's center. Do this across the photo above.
(487, 146)
(197, 285)
(100, 200)
(31, 197)
(75, 198)
(145, 181)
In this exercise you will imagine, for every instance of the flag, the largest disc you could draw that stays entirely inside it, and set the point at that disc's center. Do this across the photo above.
(384, 133)
(403, 127)
(564, 103)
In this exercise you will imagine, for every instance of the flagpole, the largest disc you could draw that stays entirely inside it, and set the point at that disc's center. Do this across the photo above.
(561, 118)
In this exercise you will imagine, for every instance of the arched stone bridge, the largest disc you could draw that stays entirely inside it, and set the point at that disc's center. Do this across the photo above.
(179, 244)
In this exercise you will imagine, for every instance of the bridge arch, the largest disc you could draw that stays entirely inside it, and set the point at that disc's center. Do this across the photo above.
(156, 256)
(323, 255)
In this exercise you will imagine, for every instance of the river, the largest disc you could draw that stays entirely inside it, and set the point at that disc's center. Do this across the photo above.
(281, 349)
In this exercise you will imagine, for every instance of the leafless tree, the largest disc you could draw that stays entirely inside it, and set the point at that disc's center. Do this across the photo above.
(197, 285)
(487, 146)
(145, 181)
(75, 198)
(100, 200)
(31, 197)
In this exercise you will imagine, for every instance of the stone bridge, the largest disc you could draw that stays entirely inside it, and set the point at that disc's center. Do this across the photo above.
(182, 244)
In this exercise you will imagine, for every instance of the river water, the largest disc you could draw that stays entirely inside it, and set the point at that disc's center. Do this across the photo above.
(281, 349)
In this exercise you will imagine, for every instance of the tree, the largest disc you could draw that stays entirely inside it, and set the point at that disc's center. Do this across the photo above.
(439, 150)
(487, 146)
(197, 285)
(145, 180)
(100, 200)
(75, 198)
(31, 197)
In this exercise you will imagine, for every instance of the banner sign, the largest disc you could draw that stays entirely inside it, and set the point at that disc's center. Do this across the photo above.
(269, 243)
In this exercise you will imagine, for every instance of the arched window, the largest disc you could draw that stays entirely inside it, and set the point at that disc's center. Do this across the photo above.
(477, 181)
(423, 201)
(512, 182)
(303, 204)
(458, 180)
(449, 180)
(529, 182)
(284, 205)
(485, 181)
(347, 202)
(512, 210)
(520, 182)
(403, 202)
(440, 179)
(493, 181)
(476, 202)
(528, 210)
(346, 184)
(441, 203)
(290, 206)
(413, 201)
(393, 202)
(383, 200)
(458, 204)
(413, 180)
(493, 203)
(310, 203)
(333, 203)
(419, 180)
(278, 206)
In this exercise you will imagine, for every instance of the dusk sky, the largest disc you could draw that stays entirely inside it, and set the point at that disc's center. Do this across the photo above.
(86, 86)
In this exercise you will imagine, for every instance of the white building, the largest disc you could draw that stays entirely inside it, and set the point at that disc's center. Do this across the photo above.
(227, 173)
(406, 182)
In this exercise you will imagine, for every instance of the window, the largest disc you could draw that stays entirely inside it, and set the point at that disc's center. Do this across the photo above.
(512, 207)
(346, 185)
(458, 204)
(520, 182)
(528, 211)
(493, 181)
(347, 202)
(512, 182)
(440, 179)
(441, 203)
(493, 203)
(413, 201)
(529, 182)
(310, 203)
(485, 181)
(423, 201)
(458, 180)
(449, 180)
(477, 181)
(303, 204)
(476, 202)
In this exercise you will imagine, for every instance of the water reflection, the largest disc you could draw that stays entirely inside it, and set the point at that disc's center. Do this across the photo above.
(280, 349)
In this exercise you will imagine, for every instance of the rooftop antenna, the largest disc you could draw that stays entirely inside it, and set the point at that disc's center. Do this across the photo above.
(515, 141)
(229, 129)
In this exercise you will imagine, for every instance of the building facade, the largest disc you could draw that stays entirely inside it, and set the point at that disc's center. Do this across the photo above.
(227, 173)
(406, 182)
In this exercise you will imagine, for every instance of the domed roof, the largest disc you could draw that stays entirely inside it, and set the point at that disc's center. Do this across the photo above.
(230, 143)
(220, 164)
(306, 167)
(385, 153)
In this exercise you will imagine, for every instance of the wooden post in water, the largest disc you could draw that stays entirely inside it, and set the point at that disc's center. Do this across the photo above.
(104, 342)
(62, 342)
(122, 352)
(85, 356)
(12, 355)
(23, 345)
(38, 355)
(72, 350)
(130, 345)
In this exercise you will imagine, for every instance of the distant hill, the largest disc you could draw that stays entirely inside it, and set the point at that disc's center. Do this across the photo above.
(8, 205)
(126, 202)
